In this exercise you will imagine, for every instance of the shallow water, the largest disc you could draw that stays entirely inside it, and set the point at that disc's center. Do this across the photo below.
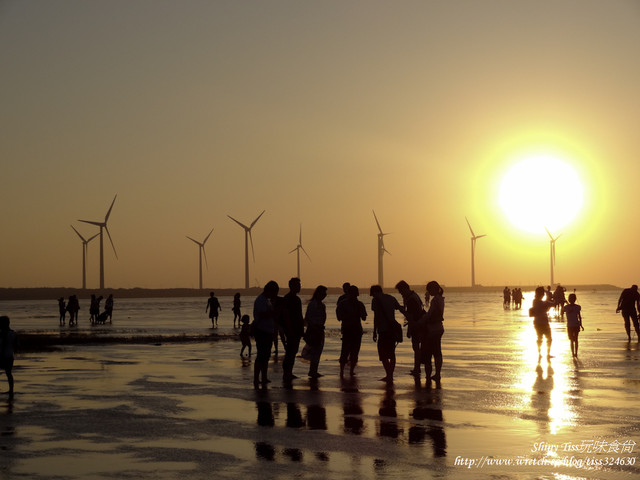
(174, 410)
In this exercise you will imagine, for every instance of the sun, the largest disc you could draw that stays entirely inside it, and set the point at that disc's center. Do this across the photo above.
(541, 191)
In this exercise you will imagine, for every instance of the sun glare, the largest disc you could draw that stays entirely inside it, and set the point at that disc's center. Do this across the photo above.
(541, 192)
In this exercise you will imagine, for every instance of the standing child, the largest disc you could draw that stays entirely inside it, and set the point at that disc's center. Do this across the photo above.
(574, 322)
(245, 335)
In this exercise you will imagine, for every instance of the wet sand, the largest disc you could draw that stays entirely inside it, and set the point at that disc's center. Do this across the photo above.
(188, 410)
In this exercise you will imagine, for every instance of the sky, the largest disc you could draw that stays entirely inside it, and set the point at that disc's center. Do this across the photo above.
(318, 113)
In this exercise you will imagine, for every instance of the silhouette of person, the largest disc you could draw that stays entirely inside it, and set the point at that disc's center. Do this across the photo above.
(558, 298)
(108, 307)
(350, 312)
(385, 329)
(345, 292)
(264, 318)
(315, 318)
(435, 330)
(627, 303)
(73, 307)
(292, 327)
(549, 294)
(506, 297)
(213, 305)
(516, 295)
(236, 310)
(413, 311)
(94, 309)
(8, 340)
(62, 308)
(538, 311)
(245, 335)
(574, 322)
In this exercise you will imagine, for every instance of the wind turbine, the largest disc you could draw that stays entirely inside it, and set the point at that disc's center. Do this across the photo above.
(552, 247)
(200, 252)
(474, 237)
(247, 238)
(381, 251)
(103, 225)
(297, 250)
(85, 247)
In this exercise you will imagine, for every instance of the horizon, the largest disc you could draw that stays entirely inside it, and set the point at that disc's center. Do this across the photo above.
(169, 118)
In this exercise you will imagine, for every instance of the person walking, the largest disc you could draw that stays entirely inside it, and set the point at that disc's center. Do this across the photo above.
(350, 312)
(627, 303)
(264, 319)
(315, 319)
(213, 305)
(387, 332)
(538, 311)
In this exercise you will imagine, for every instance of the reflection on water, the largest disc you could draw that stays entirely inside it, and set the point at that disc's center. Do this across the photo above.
(429, 408)
(553, 384)
(387, 426)
(352, 407)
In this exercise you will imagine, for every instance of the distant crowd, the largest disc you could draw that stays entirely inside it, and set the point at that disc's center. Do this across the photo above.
(72, 307)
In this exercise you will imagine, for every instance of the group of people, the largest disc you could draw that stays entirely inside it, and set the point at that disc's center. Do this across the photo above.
(214, 308)
(72, 307)
(539, 311)
(275, 316)
(515, 296)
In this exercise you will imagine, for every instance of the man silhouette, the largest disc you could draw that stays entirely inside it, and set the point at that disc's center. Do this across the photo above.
(627, 303)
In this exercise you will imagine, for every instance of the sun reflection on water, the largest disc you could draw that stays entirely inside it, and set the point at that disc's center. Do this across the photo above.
(552, 382)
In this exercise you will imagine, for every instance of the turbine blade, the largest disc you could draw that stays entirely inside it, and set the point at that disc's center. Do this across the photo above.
(300, 237)
(99, 224)
(109, 212)
(255, 221)
(385, 250)
(81, 237)
(91, 238)
(377, 223)
(204, 252)
(241, 224)
(294, 249)
(252, 250)
(480, 236)
(469, 225)
(548, 233)
(207, 237)
(194, 241)
(111, 241)
(305, 252)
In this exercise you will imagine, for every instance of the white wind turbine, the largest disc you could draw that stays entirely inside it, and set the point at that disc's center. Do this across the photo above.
(247, 238)
(103, 226)
(297, 250)
(474, 237)
(85, 248)
(552, 248)
(201, 251)
(381, 251)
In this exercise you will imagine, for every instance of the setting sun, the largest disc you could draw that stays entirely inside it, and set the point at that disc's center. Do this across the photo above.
(541, 192)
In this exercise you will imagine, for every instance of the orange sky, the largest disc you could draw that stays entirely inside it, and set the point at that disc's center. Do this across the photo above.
(317, 112)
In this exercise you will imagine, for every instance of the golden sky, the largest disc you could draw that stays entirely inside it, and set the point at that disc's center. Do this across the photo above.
(318, 113)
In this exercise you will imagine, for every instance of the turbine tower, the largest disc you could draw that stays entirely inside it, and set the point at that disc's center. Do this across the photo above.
(552, 248)
(247, 238)
(297, 250)
(201, 251)
(381, 251)
(85, 247)
(474, 237)
(103, 226)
